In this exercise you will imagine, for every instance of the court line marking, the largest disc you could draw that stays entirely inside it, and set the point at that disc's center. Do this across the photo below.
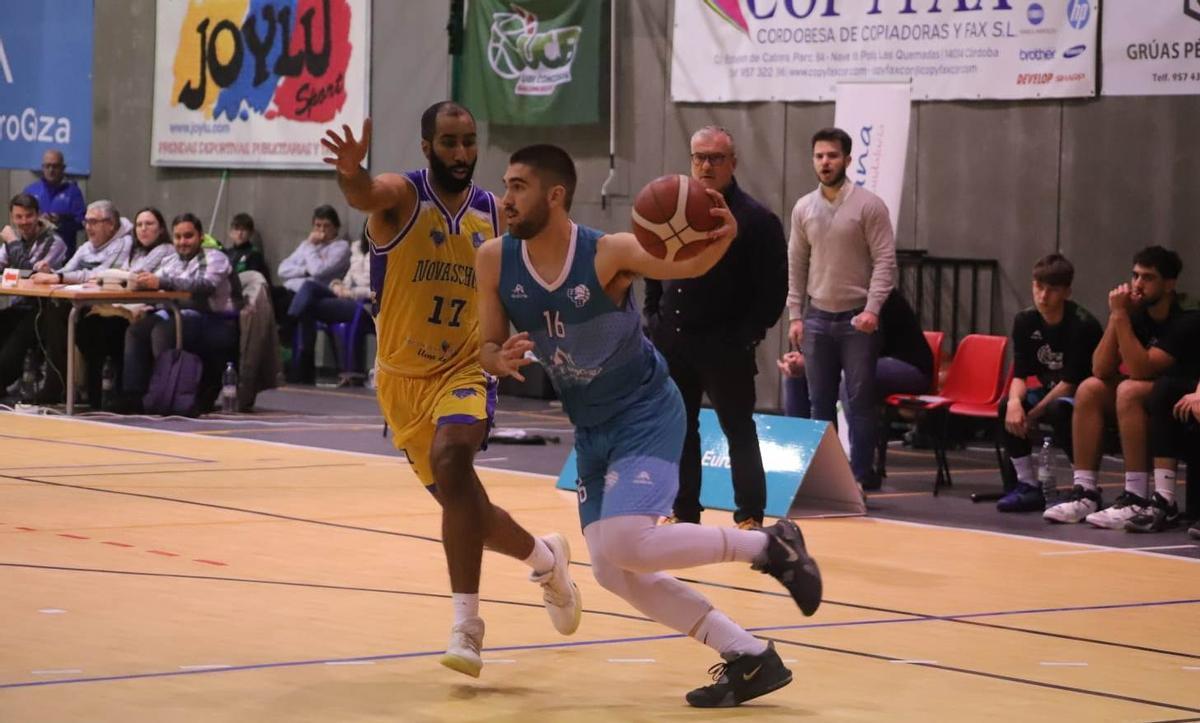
(286, 445)
(538, 475)
(196, 470)
(110, 448)
(901, 615)
(590, 643)
(206, 666)
(228, 508)
(1117, 549)
(632, 660)
(1026, 538)
(1063, 664)
(993, 676)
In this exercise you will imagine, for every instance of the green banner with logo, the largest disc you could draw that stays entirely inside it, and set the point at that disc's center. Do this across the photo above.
(535, 62)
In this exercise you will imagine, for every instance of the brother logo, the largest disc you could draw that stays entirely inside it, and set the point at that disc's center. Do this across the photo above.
(1074, 50)
(1037, 54)
(1036, 14)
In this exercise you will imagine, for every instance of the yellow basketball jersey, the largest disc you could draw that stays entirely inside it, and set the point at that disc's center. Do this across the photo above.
(424, 284)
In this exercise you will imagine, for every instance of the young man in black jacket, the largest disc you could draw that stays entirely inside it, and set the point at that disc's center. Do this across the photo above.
(1053, 341)
(707, 329)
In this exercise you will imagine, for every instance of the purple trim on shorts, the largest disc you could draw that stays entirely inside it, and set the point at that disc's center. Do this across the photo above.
(458, 419)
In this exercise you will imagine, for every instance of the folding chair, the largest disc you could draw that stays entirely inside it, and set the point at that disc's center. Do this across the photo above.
(975, 377)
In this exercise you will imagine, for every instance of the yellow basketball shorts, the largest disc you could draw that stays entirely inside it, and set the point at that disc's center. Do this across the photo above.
(414, 408)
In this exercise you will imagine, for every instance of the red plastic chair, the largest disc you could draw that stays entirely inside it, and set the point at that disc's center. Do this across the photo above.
(973, 383)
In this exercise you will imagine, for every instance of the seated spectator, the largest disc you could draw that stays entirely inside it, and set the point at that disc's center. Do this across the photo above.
(1052, 341)
(25, 242)
(59, 199)
(100, 335)
(904, 366)
(206, 274)
(336, 303)
(1141, 341)
(324, 257)
(153, 241)
(1174, 411)
(108, 246)
(243, 253)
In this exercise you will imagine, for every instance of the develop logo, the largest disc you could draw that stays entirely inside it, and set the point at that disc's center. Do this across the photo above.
(539, 62)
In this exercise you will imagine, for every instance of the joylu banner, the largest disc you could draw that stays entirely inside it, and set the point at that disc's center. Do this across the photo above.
(533, 63)
(253, 83)
(46, 83)
(876, 116)
(799, 50)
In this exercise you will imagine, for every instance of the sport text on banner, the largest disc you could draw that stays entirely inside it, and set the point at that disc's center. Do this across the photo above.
(876, 115)
(534, 62)
(252, 83)
(46, 83)
(796, 50)
(1151, 48)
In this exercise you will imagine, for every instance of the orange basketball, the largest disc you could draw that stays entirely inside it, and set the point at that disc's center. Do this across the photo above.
(671, 217)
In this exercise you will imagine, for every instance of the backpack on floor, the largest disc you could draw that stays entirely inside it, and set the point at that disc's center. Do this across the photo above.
(174, 384)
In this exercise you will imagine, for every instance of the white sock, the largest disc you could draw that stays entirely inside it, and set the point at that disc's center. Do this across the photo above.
(1086, 478)
(1164, 483)
(1024, 468)
(466, 606)
(1137, 483)
(726, 637)
(541, 559)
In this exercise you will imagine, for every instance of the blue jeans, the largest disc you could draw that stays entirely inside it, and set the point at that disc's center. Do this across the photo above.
(832, 347)
(892, 376)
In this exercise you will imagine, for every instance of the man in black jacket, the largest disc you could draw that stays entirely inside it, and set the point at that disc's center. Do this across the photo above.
(708, 327)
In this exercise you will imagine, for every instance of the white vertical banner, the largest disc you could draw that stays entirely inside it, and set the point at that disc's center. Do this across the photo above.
(876, 116)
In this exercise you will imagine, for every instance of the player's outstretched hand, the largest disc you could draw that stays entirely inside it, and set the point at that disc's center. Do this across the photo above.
(727, 230)
(512, 355)
(348, 153)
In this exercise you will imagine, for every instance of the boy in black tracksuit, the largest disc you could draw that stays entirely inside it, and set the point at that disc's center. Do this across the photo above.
(1052, 341)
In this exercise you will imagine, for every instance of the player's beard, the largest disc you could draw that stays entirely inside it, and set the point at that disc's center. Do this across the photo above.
(447, 181)
(533, 223)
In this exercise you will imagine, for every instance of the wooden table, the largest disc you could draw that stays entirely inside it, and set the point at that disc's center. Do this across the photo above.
(80, 297)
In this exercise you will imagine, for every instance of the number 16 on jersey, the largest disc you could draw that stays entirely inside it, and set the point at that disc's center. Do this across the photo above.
(555, 328)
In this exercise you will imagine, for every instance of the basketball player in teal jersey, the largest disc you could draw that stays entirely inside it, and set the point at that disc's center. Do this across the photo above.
(566, 289)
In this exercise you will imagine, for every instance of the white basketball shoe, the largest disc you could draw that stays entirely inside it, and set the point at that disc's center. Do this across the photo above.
(559, 592)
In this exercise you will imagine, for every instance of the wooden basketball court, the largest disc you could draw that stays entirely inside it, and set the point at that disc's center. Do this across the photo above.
(155, 576)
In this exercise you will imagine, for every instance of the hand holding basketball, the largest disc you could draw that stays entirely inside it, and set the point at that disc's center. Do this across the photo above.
(675, 218)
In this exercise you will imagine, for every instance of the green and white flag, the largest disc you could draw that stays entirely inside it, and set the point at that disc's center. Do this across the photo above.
(535, 62)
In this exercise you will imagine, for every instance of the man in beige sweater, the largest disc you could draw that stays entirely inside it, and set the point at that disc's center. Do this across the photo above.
(841, 268)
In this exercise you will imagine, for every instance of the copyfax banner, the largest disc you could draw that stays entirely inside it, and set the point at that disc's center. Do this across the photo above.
(1151, 47)
(254, 83)
(799, 50)
(46, 83)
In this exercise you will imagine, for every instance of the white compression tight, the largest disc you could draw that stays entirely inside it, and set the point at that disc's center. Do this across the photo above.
(629, 552)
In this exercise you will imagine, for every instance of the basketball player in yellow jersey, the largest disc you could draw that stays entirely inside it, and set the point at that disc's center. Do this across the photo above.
(424, 227)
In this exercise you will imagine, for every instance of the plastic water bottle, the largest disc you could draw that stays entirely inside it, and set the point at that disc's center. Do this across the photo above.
(28, 388)
(229, 384)
(108, 378)
(1045, 474)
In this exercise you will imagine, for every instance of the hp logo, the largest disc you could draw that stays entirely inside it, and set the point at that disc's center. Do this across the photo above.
(1078, 13)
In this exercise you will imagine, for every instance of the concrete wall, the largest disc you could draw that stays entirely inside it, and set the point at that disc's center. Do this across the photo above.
(1094, 178)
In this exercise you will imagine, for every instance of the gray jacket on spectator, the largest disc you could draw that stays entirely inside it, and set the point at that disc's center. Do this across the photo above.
(150, 260)
(325, 263)
(46, 246)
(89, 260)
(205, 275)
